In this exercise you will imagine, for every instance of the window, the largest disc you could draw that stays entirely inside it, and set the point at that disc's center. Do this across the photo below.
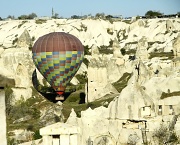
(160, 107)
(170, 107)
(143, 108)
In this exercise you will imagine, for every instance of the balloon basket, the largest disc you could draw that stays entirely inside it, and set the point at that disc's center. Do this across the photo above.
(59, 98)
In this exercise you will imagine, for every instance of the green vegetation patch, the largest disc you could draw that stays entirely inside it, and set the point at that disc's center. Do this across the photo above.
(166, 95)
(105, 50)
(86, 61)
(76, 101)
(15, 41)
(82, 78)
(131, 51)
(122, 82)
(28, 109)
(22, 23)
(86, 50)
(169, 55)
(127, 21)
(109, 31)
(40, 21)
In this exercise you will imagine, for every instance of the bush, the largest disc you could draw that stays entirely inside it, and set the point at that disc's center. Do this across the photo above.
(164, 135)
(123, 51)
(40, 21)
(8, 99)
(83, 27)
(82, 78)
(166, 95)
(14, 41)
(33, 38)
(37, 135)
(23, 22)
(86, 50)
(151, 13)
(109, 31)
(86, 61)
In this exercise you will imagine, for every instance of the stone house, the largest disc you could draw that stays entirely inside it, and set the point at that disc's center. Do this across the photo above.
(168, 106)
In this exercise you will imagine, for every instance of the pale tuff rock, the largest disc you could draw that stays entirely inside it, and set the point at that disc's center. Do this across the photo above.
(1, 51)
(24, 40)
(156, 85)
(169, 25)
(141, 73)
(20, 94)
(116, 49)
(137, 102)
(72, 119)
(131, 101)
(12, 57)
(19, 63)
(142, 49)
(6, 77)
(51, 114)
(97, 83)
(94, 51)
(22, 77)
(176, 46)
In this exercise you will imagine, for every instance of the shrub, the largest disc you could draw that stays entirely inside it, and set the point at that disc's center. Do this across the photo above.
(23, 22)
(123, 51)
(8, 98)
(151, 13)
(122, 82)
(40, 21)
(109, 31)
(166, 95)
(169, 55)
(82, 78)
(33, 38)
(105, 50)
(37, 135)
(164, 135)
(15, 41)
(86, 61)
(83, 27)
(30, 46)
(86, 50)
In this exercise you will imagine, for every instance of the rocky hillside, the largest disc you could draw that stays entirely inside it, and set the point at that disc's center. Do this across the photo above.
(136, 62)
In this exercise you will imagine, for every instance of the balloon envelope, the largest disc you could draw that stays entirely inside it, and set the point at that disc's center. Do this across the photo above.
(58, 56)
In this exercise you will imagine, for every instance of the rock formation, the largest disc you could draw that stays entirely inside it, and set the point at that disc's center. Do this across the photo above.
(24, 40)
(142, 49)
(150, 98)
(176, 46)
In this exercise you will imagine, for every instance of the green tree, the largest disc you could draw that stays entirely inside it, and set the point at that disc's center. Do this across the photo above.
(10, 17)
(56, 16)
(100, 15)
(75, 17)
(23, 17)
(32, 16)
(151, 13)
(109, 16)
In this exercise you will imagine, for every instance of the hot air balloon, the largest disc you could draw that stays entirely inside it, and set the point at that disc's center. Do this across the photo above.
(58, 56)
